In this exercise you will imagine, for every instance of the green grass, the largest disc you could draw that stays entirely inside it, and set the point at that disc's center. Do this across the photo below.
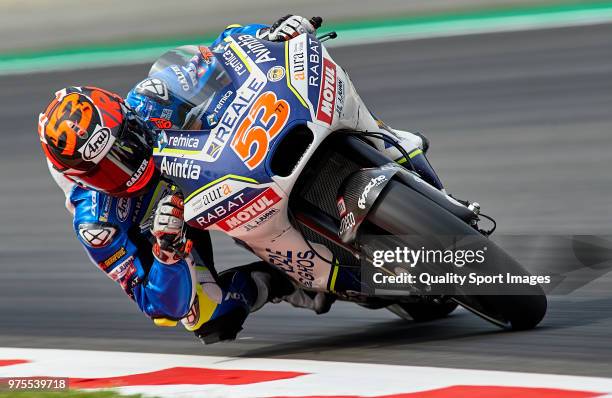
(64, 394)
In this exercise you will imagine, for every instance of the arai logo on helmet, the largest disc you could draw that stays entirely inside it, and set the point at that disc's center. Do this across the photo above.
(96, 144)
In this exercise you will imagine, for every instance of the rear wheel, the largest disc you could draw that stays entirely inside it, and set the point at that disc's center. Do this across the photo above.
(401, 211)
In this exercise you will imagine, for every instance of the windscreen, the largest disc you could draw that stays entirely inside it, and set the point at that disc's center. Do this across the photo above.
(195, 78)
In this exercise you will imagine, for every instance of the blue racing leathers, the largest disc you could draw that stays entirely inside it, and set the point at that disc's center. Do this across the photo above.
(116, 235)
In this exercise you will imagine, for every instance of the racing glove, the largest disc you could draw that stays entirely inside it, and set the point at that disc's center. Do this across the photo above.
(171, 244)
(291, 26)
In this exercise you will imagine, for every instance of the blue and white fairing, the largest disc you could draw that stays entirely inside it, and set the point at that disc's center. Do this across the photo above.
(237, 107)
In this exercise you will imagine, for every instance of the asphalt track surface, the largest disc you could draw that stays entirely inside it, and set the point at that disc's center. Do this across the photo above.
(521, 122)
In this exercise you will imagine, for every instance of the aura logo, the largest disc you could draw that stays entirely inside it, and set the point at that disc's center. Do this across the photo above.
(184, 169)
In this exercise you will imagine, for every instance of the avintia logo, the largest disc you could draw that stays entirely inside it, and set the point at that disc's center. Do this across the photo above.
(185, 169)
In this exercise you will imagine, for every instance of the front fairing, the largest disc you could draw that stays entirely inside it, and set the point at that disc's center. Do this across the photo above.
(223, 168)
(234, 118)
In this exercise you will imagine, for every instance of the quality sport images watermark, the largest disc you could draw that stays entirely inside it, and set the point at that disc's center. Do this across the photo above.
(472, 265)
(457, 258)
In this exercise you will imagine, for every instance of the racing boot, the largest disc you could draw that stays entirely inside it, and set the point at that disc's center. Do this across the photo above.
(319, 302)
(221, 308)
(274, 286)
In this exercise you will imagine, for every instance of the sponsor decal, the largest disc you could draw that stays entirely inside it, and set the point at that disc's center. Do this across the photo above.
(298, 61)
(234, 62)
(123, 208)
(108, 201)
(222, 101)
(261, 219)
(184, 169)
(327, 97)
(121, 270)
(222, 132)
(340, 98)
(214, 150)
(162, 140)
(300, 264)
(161, 123)
(341, 206)
(210, 197)
(221, 210)
(276, 73)
(214, 195)
(96, 144)
(96, 235)
(184, 141)
(212, 118)
(374, 182)
(252, 141)
(153, 87)
(129, 280)
(255, 49)
(116, 256)
(181, 77)
(347, 222)
(138, 173)
(94, 203)
(314, 70)
(250, 211)
(314, 62)
(166, 114)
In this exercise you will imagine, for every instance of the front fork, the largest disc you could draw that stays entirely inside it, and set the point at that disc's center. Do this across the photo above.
(418, 162)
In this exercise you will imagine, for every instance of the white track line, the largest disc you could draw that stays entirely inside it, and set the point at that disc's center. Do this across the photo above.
(323, 378)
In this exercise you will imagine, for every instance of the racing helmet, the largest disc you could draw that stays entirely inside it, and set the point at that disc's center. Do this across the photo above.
(91, 137)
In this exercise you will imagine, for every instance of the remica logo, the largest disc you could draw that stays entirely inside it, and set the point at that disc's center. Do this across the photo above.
(184, 141)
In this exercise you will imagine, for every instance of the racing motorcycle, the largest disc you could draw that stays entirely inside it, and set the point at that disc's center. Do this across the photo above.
(276, 152)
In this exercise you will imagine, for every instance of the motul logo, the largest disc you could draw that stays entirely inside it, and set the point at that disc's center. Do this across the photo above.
(327, 97)
(251, 210)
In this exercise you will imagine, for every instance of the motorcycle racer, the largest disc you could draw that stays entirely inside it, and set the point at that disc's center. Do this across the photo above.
(130, 221)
